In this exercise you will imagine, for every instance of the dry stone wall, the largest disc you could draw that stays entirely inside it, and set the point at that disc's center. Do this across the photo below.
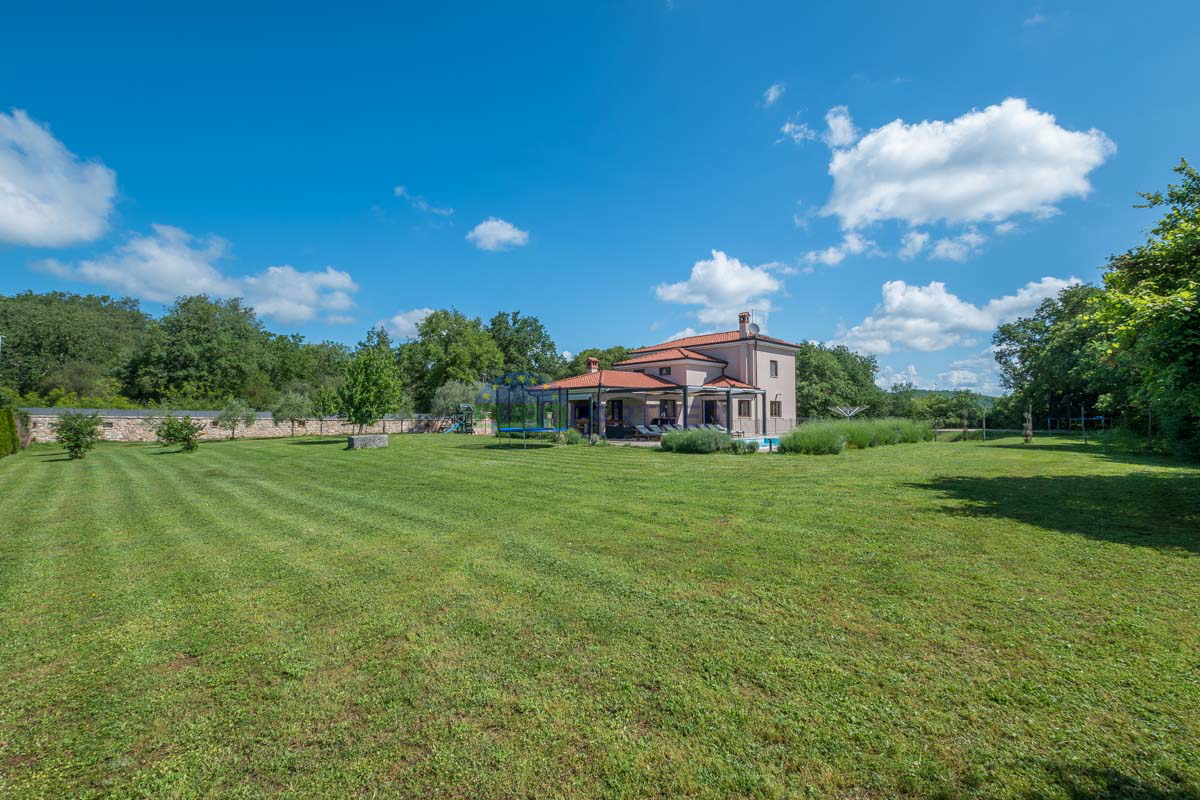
(138, 426)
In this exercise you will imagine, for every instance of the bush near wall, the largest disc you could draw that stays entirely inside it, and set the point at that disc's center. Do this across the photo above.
(9, 443)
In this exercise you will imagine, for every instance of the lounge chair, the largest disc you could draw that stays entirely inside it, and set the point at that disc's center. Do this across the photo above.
(712, 426)
(672, 428)
(644, 432)
(655, 430)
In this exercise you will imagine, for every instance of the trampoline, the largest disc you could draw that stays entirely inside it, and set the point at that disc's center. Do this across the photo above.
(523, 403)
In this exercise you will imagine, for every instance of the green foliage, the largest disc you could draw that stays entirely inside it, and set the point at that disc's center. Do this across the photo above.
(525, 345)
(9, 443)
(77, 433)
(741, 447)
(233, 414)
(835, 376)
(697, 441)
(448, 396)
(831, 438)
(606, 356)
(293, 407)
(370, 388)
(181, 431)
(66, 341)
(814, 438)
(449, 346)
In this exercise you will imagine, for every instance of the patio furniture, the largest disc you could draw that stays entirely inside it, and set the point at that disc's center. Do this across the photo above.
(644, 432)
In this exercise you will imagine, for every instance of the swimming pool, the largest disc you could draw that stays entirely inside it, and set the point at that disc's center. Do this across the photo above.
(768, 443)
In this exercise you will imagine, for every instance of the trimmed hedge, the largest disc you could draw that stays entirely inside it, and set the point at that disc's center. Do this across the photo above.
(10, 441)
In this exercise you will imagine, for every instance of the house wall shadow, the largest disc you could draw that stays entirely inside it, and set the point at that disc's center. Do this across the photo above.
(1139, 508)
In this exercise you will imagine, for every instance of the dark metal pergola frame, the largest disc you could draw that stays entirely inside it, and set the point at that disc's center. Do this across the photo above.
(597, 395)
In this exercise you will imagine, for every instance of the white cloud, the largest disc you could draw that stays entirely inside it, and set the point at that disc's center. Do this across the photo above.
(958, 379)
(773, 93)
(958, 248)
(1034, 20)
(420, 203)
(170, 263)
(48, 197)
(287, 294)
(839, 128)
(886, 377)
(683, 334)
(567, 355)
(1005, 227)
(339, 319)
(983, 166)
(912, 243)
(495, 234)
(929, 318)
(797, 131)
(722, 286)
(852, 244)
(405, 323)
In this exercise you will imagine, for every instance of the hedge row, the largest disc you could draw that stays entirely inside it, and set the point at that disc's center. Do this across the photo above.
(10, 442)
(706, 441)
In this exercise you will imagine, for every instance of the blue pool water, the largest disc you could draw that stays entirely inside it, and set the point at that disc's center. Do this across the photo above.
(767, 442)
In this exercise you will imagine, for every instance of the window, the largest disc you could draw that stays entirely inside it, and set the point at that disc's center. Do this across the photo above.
(108, 424)
(641, 371)
(774, 368)
(664, 370)
(743, 408)
(776, 408)
(666, 409)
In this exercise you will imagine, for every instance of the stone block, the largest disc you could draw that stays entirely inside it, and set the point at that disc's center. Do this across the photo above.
(368, 440)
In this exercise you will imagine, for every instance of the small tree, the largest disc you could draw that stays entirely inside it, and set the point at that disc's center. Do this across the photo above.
(78, 433)
(292, 407)
(325, 404)
(370, 388)
(181, 431)
(449, 396)
(234, 413)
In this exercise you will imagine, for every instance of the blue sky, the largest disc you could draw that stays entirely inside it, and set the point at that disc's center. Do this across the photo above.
(624, 171)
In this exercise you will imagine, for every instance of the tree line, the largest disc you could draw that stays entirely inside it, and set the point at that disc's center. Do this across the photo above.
(1128, 350)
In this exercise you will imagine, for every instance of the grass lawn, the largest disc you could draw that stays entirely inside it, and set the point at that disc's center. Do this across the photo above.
(446, 618)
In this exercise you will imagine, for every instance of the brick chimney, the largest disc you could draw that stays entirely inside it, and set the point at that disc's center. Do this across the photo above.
(744, 323)
(593, 365)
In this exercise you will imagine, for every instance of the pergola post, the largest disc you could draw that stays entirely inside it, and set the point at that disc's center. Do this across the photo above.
(764, 412)
(685, 407)
(729, 411)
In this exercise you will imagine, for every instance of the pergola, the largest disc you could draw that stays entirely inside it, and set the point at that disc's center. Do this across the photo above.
(600, 395)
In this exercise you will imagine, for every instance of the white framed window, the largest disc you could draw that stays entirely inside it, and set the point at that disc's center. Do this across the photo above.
(664, 370)
(776, 408)
(774, 368)
(743, 408)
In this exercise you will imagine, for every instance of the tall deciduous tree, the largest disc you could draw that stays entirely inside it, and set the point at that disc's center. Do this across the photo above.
(371, 387)
(525, 344)
(607, 356)
(449, 346)
(67, 341)
(835, 376)
(201, 348)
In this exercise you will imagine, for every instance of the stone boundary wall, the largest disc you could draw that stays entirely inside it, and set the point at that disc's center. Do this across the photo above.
(138, 426)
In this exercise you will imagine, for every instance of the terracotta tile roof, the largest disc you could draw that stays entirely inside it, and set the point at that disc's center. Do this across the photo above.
(726, 382)
(710, 338)
(613, 379)
(674, 354)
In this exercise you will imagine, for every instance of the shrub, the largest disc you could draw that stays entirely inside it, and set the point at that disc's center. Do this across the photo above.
(78, 433)
(8, 433)
(911, 431)
(814, 438)
(571, 436)
(696, 441)
(743, 446)
(14, 432)
(181, 431)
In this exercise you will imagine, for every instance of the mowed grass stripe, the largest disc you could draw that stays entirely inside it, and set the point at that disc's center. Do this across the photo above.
(445, 619)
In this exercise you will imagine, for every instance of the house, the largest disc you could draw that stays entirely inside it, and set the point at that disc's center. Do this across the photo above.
(740, 379)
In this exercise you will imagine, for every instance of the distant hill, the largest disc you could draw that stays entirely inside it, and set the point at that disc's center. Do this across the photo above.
(986, 400)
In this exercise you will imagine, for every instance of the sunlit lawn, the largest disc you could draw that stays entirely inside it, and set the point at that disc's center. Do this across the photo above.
(446, 618)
